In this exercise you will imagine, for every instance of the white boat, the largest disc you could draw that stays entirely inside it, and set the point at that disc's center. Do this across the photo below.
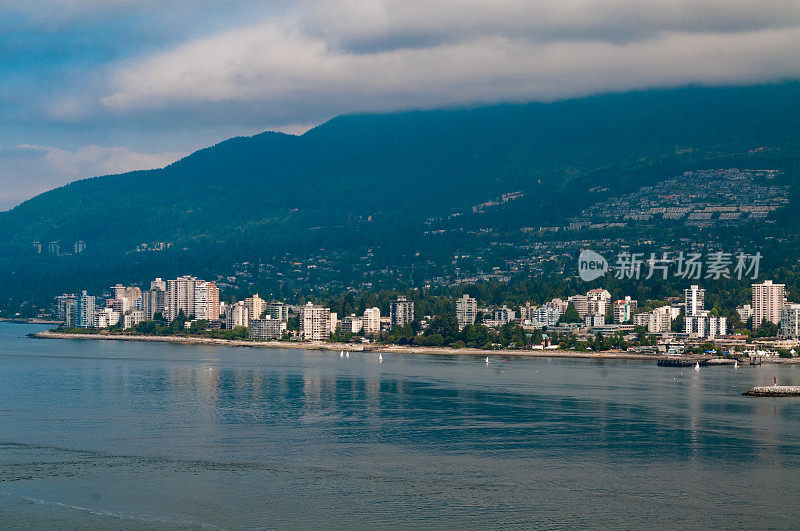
(487, 360)
(380, 358)
(341, 354)
(347, 355)
(736, 364)
(697, 366)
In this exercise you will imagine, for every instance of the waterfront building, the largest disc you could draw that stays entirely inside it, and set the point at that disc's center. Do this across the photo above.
(180, 297)
(105, 318)
(526, 313)
(504, 315)
(372, 320)
(661, 320)
(85, 310)
(154, 299)
(546, 316)
(790, 321)
(278, 310)
(256, 306)
(237, 315)
(768, 302)
(622, 310)
(581, 303)
(64, 307)
(694, 297)
(206, 301)
(705, 326)
(351, 324)
(466, 311)
(594, 320)
(315, 322)
(401, 312)
(334, 321)
(266, 329)
(132, 319)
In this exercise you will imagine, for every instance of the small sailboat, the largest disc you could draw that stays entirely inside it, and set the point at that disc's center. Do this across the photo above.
(487, 360)
(380, 358)
(341, 354)
(347, 355)
(697, 366)
(736, 364)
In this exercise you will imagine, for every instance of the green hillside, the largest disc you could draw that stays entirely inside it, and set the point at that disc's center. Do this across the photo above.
(245, 195)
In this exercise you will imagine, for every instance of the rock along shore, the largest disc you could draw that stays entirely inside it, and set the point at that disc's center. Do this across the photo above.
(774, 390)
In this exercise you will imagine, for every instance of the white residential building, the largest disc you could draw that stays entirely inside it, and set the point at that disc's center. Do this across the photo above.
(594, 320)
(133, 318)
(351, 324)
(703, 325)
(106, 317)
(695, 300)
(256, 306)
(315, 322)
(237, 314)
(466, 311)
(623, 309)
(546, 316)
(660, 320)
(372, 320)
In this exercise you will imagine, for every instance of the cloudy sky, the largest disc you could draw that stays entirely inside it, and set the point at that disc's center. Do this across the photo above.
(90, 87)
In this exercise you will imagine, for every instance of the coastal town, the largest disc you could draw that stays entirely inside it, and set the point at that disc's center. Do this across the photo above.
(595, 321)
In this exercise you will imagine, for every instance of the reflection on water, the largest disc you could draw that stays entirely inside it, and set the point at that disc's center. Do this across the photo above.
(183, 435)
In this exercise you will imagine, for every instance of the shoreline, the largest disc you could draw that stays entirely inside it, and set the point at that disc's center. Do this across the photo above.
(384, 349)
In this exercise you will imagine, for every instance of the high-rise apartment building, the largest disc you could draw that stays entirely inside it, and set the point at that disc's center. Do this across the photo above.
(372, 320)
(206, 301)
(237, 315)
(622, 310)
(790, 321)
(278, 310)
(85, 310)
(768, 302)
(695, 299)
(401, 312)
(256, 306)
(466, 311)
(315, 322)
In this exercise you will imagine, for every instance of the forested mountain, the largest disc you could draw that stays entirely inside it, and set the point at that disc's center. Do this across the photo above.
(376, 178)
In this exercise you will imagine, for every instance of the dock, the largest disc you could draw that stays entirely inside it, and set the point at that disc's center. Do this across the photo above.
(774, 390)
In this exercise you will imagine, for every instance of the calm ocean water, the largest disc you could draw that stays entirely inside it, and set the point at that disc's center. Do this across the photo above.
(133, 435)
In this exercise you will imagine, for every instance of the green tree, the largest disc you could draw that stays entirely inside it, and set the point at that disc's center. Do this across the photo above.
(571, 315)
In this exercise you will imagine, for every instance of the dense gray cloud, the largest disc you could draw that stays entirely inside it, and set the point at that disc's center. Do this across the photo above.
(165, 79)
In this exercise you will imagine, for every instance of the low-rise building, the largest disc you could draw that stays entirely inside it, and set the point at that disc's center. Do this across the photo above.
(351, 324)
(266, 329)
(705, 326)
